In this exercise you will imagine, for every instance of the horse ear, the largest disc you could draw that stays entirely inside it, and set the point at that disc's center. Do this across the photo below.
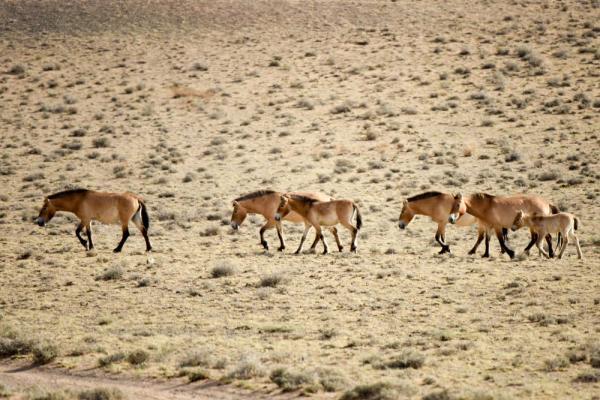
(405, 202)
(520, 214)
(235, 203)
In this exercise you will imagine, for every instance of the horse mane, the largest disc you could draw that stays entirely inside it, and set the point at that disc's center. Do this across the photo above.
(303, 199)
(423, 196)
(253, 195)
(66, 193)
(483, 196)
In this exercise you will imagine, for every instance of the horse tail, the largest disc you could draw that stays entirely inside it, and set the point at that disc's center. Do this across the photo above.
(358, 217)
(145, 217)
(576, 223)
(555, 210)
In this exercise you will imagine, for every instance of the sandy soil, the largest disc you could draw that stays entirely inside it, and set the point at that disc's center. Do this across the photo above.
(191, 104)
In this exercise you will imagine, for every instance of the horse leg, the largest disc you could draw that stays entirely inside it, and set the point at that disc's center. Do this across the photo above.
(540, 245)
(531, 242)
(334, 231)
(140, 225)
(564, 246)
(306, 229)
(486, 253)
(123, 239)
(322, 237)
(268, 225)
(280, 235)
(480, 235)
(88, 230)
(78, 234)
(438, 238)
(503, 245)
(549, 241)
(579, 254)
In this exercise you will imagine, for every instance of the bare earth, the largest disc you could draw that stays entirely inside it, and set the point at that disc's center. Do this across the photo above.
(191, 104)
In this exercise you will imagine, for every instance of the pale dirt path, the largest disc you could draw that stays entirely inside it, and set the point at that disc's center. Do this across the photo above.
(21, 376)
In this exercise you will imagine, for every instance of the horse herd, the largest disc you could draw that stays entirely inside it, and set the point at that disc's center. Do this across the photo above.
(492, 214)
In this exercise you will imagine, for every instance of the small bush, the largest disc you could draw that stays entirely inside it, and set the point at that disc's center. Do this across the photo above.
(17, 69)
(14, 346)
(198, 358)
(44, 353)
(289, 381)
(101, 142)
(111, 274)
(198, 375)
(406, 359)
(248, 367)
(555, 364)
(100, 394)
(588, 377)
(271, 280)
(110, 359)
(138, 357)
(222, 269)
(375, 391)
(548, 176)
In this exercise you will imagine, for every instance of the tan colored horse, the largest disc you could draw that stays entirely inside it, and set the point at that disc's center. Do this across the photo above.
(108, 208)
(442, 208)
(322, 213)
(265, 203)
(499, 212)
(563, 223)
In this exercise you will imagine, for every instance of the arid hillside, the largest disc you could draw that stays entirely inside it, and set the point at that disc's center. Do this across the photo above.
(191, 104)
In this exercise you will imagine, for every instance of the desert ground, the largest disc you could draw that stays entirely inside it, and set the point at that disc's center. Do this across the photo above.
(194, 103)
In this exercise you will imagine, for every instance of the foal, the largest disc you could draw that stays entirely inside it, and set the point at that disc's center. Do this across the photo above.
(265, 203)
(108, 208)
(563, 223)
(318, 213)
(498, 212)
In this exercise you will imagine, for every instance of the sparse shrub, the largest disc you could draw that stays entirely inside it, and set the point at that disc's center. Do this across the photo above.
(375, 391)
(210, 231)
(44, 353)
(100, 394)
(199, 67)
(439, 395)
(224, 268)
(341, 108)
(34, 177)
(197, 375)
(197, 358)
(555, 364)
(138, 357)
(16, 69)
(110, 359)
(406, 359)
(271, 280)
(513, 155)
(548, 176)
(248, 367)
(588, 377)
(289, 381)
(101, 142)
(15, 346)
(112, 274)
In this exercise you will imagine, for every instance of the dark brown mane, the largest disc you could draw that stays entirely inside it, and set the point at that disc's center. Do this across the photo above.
(66, 193)
(253, 195)
(483, 195)
(303, 199)
(423, 196)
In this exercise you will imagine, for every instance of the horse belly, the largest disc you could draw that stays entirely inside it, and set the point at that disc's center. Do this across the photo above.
(328, 220)
(109, 216)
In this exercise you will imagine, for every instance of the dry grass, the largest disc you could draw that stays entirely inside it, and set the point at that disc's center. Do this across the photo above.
(340, 98)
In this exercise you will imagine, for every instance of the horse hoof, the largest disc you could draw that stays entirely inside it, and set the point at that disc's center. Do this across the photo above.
(116, 250)
(340, 249)
(485, 256)
(325, 252)
(282, 248)
(511, 254)
(471, 253)
(149, 249)
(353, 249)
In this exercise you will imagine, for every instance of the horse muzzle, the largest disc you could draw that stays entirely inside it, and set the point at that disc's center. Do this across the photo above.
(402, 225)
(277, 217)
(235, 226)
(452, 218)
(40, 221)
